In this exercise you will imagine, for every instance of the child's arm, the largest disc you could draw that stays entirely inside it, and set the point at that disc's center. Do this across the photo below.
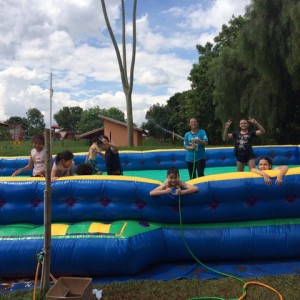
(72, 170)
(54, 173)
(160, 190)
(282, 172)
(26, 168)
(113, 147)
(187, 188)
(266, 177)
(260, 130)
(227, 135)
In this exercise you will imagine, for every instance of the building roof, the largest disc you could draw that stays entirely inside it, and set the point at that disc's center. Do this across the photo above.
(90, 133)
(3, 124)
(118, 122)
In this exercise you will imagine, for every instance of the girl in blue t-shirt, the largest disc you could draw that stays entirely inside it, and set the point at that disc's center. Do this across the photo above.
(195, 141)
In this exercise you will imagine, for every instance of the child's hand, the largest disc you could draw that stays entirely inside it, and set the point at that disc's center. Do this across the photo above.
(267, 179)
(228, 123)
(16, 173)
(279, 180)
(252, 121)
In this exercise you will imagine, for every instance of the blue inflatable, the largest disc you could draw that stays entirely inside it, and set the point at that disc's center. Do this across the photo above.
(110, 226)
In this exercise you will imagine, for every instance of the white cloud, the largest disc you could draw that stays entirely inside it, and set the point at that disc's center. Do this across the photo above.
(69, 39)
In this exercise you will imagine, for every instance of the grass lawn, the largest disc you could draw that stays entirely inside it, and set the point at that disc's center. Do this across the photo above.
(9, 148)
(287, 286)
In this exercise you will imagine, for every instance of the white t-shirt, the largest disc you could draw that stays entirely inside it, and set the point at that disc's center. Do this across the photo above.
(38, 161)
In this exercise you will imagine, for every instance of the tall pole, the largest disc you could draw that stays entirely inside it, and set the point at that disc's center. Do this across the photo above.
(47, 216)
(51, 95)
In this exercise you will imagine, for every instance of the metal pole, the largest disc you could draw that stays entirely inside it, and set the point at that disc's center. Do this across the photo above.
(51, 95)
(45, 278)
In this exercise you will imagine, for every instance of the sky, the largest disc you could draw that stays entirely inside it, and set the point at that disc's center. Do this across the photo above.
(69, 39)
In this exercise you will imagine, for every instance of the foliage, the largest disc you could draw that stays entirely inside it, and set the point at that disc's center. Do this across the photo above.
(251, 71)
(268, 47)
(35, 120)
(68, 118)
(18, 121)
(90, 118)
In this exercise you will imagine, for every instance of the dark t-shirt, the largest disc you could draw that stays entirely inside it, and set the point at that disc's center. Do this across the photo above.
(243, 142)
(112, 162)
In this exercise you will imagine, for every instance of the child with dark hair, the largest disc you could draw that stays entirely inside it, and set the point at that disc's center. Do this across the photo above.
(63, 165)
(265, 163)
(243, 139)
(37, 158)
(173, 185)
(111, 157)
(84, 169)
(91, 157)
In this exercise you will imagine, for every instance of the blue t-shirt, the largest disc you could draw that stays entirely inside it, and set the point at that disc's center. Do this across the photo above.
(199, 152)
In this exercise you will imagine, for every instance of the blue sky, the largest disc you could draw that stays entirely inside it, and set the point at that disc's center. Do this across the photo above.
(69, 39)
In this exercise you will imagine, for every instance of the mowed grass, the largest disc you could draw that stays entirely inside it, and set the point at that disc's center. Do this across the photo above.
(10, 148)
(287, 287)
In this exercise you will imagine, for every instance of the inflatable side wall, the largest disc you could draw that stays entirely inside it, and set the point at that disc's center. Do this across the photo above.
(109, 225)
(162, 159)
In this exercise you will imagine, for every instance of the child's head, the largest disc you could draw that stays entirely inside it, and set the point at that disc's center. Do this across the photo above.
(38, 141)
(173, 176)
(65, 158)
(95, 139)
(84, 169)
(104, 146)
(244, 124)
(193, 122)
(265, 163)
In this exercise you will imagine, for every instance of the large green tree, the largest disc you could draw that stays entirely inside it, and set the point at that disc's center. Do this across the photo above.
(68, 118)
(269, 45)
(18, 121)
(90, 118)
(35, 120)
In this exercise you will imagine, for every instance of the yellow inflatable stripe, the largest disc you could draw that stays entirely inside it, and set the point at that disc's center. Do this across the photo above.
(99, 228)
(241, 175)
(59, 229)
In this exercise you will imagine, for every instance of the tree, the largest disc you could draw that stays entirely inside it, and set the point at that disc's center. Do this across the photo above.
(89, 119)
(269, 46)
(68, 118)
(122, 62)
(115, 113)
(35, 120)
(18, 121)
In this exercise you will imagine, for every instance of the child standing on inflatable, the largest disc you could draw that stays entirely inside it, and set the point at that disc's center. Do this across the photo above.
(37, 158)
(195, 141)
(243, 142)
(91, 157)
(111, 157)
(63, 165)
(173, 185)
(265, 163)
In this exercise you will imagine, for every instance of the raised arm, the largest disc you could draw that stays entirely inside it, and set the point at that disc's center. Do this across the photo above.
(227, 135)
(113, 147)
(260, 130)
